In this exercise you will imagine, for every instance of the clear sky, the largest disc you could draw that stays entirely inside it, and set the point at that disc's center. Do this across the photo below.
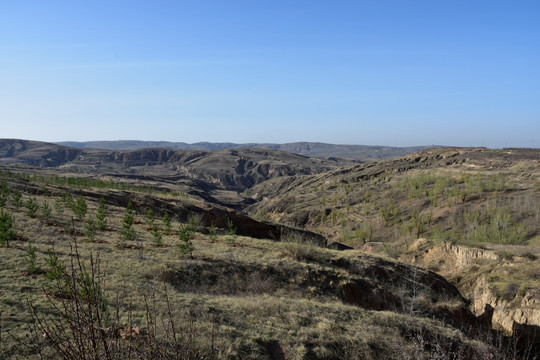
(399, 73)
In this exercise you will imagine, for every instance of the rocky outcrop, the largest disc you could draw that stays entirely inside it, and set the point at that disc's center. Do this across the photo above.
(466, 256)
(457, 261)
(455, 256)
(505, 313)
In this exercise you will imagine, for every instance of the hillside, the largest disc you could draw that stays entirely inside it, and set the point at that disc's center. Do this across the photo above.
(439, 256)
(35, 153)
(204, 287)
(472, 198)
(216, 176)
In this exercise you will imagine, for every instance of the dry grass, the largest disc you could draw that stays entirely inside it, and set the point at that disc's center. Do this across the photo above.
(250, 299)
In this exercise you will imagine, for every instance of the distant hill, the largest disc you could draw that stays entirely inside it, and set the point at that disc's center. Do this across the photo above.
(232, 169)
(311, 149)
(35, 153)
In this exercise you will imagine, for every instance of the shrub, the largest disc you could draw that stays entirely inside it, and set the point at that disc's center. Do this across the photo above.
(195, 221)
(390, 213)
(364, 233)
(334, 216)
(367, 197)
(438, 235)
(297, 247)
(420, 222)
(85, 326)
(79, 330)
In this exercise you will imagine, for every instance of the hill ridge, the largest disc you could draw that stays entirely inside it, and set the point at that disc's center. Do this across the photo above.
(306, 148)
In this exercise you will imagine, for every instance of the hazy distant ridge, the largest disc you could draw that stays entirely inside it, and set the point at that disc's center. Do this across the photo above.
(312, 149)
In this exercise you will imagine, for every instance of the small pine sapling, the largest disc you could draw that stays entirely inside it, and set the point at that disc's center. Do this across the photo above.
(80, 208)
(46, 211)
(150, 218)
(16, 199)
(157, 239)
(31, 259)
(195, 221)
(56, 274)
(101, 214)
(90, 229)
(56, 267)
(231, 232)
(167, 229)
(67, 199)
(59, 206)
(32, 206)
(212, 233)
(184, 233)
(4, 193)
(128, 233)
(6, 227)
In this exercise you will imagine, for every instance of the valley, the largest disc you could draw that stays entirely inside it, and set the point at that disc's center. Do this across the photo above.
(259, 253)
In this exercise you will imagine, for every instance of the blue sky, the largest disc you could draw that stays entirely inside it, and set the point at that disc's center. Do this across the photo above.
(399, 73)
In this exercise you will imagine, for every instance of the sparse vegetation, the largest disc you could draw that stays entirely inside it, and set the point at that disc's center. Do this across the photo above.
(233, 296)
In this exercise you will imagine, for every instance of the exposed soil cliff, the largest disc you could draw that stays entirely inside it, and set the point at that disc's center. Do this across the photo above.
(488, 279)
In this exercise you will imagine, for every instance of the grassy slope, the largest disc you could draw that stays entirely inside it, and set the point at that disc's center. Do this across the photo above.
(259, 297)
(480, 198)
